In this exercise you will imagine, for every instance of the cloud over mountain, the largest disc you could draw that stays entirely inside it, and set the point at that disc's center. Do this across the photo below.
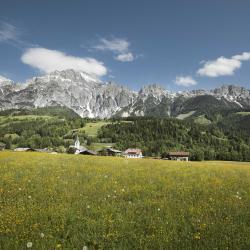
(119, 46)
(47, 60)
(223, 66)
(185, 81)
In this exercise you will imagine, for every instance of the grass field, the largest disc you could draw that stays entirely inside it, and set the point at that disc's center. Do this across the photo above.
(5, 120)
(243, 113)
(71, 201)
(91, 128)
(202, 120)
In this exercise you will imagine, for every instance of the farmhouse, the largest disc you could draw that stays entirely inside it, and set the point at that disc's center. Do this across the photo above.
(133, 153)
(177, 156)
(110, 152)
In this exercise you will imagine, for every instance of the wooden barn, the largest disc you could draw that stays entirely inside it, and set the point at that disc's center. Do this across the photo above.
(87, 152)
(177, 156)
(110, 152)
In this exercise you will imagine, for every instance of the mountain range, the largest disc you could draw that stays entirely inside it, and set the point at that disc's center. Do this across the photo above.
(90, 97)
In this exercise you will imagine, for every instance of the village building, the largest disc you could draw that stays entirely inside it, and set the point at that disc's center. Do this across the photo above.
(44, 150)
(78, 149)
(24, 149)
(110, 152)
(177, 156)
(133, 153)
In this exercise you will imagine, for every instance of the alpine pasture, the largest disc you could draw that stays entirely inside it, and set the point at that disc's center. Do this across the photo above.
(85, 202)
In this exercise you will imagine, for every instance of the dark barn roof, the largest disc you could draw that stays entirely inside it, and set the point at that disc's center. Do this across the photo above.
(88, 152)
(114, 150)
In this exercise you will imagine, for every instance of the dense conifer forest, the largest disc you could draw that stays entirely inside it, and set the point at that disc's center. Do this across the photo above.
(228, 139)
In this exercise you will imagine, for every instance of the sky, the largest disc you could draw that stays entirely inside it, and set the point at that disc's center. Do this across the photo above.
(180, 45)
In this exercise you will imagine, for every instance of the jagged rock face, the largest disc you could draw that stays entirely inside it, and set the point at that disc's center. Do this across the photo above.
(79, 91)
(89, 97)
(239, 95)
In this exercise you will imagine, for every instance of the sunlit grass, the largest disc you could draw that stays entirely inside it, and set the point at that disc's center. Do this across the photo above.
(6, 120)
(91, 128)
(69, 201)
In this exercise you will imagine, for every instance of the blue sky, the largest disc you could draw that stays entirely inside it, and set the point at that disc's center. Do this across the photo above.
(177, 44)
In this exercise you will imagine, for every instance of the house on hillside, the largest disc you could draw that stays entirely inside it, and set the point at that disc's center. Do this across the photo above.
(177, 156)
(110, 152)
(133, 153)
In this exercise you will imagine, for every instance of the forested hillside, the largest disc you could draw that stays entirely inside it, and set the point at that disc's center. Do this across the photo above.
(52, 127)
(226, 140)
(222, 135)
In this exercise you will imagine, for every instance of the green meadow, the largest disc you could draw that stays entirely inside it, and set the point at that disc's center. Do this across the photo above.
(84, 202)
(91, 128)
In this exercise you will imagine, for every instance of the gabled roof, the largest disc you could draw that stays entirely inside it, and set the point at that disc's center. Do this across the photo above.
(87, 151)
(136, 151)
(23, 149)
(114, 150)
(179, 154)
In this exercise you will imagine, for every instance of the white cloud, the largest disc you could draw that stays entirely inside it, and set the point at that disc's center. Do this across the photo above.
(50, 60)
(220, 67)
(243, 57)
(119, 46)
(223, 66)
(185, 81)
(8, 32)
(127, 57)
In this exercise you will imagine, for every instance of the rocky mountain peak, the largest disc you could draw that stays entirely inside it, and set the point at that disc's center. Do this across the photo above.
(232, 90)
(89, 97)
(73, 75)
(152, 89)
(5, 81)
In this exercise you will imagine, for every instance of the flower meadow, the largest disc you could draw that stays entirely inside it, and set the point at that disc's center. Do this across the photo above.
(85, 202)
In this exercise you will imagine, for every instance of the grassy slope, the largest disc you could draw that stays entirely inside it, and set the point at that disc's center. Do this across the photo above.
(243, 113)
(5, 120)
(107, 203)
(202, 120)
(92, 128)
